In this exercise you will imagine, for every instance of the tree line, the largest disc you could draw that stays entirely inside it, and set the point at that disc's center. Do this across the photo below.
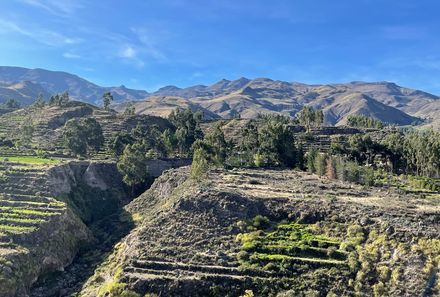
(411, 152)
(267, 141)
(362, 121)
(134, 148)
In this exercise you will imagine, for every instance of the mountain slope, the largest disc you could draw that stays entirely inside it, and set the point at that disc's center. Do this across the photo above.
(243, 97)
(25, 91)
(53, 82)
(267, 96)
(163, 105)
(383, 100)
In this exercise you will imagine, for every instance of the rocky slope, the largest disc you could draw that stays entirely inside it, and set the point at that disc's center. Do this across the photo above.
(276, 233)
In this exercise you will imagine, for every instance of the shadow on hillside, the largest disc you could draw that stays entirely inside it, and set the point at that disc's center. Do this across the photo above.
(108, 232)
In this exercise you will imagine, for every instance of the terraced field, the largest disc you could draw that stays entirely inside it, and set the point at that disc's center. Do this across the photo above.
(37, 231)
(25, 204)
(272, 231)
(47, 126)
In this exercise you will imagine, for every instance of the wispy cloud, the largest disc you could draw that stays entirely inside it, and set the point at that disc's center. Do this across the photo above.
(148, 44)
(41, 35)
(56, 7)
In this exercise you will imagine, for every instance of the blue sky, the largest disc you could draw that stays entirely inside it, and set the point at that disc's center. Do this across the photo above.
(149, 44)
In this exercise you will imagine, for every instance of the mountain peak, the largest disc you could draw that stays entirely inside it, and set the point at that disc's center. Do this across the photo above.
(169, 88)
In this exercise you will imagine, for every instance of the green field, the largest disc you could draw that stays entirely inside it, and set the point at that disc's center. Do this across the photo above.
(31, 160)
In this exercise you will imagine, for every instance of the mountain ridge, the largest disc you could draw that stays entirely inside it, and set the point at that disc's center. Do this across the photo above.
(242, 97)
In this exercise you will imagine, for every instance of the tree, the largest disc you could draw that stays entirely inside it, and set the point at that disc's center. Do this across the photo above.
(311, 160)
(119, 141)
(132, 165)
(130, 110)
(277, 143)
(107, 98)
(362, 121)
(93, 133)
(59, 100)
(169, 140)
(83, 136)
(64, 98)
(188, 129)
(320, 164)
(308, 117)
(216, 139)
(12, 103)
(74, 137)
(200, 164)
(39, 102)
(26, 132)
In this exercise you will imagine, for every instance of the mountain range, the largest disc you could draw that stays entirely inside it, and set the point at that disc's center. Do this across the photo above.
(243, 97)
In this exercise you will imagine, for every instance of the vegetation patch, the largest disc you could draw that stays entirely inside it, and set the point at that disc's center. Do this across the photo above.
(271, 246)
(31, 160)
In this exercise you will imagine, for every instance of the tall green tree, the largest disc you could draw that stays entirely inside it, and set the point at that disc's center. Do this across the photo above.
(132, 165)
(309, 118)
(188, 129)
(200, 164)
(39, 102)
(74, 137)
(107, 99)
(82, 136)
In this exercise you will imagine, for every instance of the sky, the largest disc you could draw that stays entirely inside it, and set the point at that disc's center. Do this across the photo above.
(148, 44)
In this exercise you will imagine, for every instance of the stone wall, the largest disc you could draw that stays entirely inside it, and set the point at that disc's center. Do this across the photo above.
(156, 167)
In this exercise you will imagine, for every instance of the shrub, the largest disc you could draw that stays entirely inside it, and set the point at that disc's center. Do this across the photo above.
(199, 165)
(320, 164)
(311, 159)
(352, 172)
(261, 222)
(258, 160)
(368, 176)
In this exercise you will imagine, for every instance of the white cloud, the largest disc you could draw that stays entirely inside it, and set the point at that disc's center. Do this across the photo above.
(128, 52)
(69, 55)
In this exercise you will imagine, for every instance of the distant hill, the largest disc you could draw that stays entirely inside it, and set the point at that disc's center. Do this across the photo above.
(23, 91)
(385, 101)
(243, 97)
(53, 82)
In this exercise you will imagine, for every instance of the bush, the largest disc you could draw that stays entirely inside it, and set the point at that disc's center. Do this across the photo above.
(259, 160)
(199, 165)
(320, 164)
(261, 222)
(352, 172)
(311, 159)
(368, 176)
